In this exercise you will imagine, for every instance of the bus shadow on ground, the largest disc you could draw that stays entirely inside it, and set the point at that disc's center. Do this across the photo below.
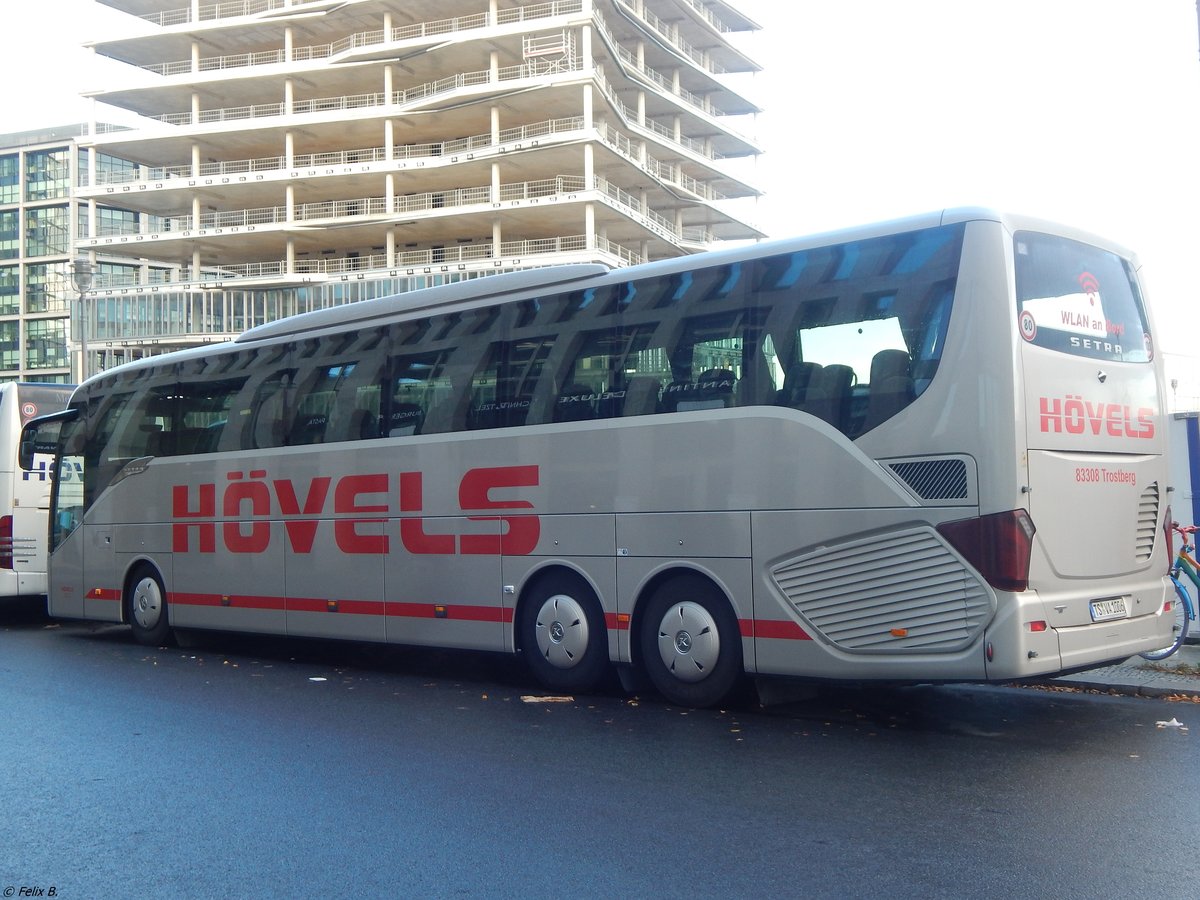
(23, 612)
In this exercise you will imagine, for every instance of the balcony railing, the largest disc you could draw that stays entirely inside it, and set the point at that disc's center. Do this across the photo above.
(229, 10)
(359, 40)
(406, 204)
(531, 69)
(668, 173)
(670, 33)
(655, 77)
(481, 250)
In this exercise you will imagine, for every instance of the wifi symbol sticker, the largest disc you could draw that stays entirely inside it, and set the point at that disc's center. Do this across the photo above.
(1090, 285)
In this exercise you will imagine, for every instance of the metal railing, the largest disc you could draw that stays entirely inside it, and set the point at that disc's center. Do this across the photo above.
(361, 39)
(429, 150)
(531, 69)
(481, 250)
(406, 204)
(670, 33)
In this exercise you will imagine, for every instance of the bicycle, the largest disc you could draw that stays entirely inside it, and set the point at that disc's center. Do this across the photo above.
(1185, 610)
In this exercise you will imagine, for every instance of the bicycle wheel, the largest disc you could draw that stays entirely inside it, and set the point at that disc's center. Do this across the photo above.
(1179, 630)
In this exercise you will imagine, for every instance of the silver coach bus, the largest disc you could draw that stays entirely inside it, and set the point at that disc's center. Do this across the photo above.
(862, 455)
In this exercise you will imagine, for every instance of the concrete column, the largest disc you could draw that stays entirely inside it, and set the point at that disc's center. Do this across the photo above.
(195, 56)
(289, 149)
(195, 160)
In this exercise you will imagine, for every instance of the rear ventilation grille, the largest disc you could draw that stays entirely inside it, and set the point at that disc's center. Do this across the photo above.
(900, 592)
(1147, 526)
(934, 479)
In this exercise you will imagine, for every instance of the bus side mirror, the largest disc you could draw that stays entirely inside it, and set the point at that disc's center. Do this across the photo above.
(27, 447)
(40, 436)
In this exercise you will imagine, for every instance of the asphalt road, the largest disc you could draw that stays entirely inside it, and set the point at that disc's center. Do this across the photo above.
(251, 767)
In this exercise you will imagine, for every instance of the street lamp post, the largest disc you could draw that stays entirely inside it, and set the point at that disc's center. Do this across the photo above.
(81, 275)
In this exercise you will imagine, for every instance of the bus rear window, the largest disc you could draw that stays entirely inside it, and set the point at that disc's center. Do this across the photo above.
(1079, 299)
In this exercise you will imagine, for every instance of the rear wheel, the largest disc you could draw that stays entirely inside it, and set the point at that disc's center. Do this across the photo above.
(1179, 630)
(563, 635)
(146, 608)
(690, 642)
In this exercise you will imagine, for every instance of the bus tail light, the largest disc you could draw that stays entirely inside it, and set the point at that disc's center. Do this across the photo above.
(998, 546)
(6, 542)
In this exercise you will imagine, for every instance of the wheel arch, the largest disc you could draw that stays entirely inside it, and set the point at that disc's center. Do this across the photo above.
(534, 578)
(135, 565)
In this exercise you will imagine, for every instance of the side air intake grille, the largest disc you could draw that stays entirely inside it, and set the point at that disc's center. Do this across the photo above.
(1147, 526)
(898, 592)
(934, 479)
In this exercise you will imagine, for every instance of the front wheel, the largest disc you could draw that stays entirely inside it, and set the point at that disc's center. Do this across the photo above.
(563, 634)
(1179, 630)
(690, 641)
(146, 608)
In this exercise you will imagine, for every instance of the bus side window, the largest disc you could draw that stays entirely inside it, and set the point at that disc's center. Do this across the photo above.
(268, 412)
(502, 390)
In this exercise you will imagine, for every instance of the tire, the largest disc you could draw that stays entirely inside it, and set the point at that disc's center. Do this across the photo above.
(146, 608)
(563, 636)
(691, 646)
(1179, 629)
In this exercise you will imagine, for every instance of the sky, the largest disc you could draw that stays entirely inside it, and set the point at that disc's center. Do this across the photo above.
(1080, 111)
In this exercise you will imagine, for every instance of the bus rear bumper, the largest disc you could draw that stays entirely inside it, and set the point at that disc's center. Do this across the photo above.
(1016, 648)
(1088, 646)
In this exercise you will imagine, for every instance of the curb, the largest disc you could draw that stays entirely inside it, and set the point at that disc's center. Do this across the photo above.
(1133, 678)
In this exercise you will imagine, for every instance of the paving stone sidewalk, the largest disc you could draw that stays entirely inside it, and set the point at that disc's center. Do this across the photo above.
(1178, 675)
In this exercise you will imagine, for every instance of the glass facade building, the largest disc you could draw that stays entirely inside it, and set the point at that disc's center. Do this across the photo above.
(39, 212)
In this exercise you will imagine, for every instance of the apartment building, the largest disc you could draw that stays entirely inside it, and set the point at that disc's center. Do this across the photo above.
(297, 154)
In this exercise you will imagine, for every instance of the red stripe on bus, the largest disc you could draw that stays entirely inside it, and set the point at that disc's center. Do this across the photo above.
(237, 601)
(462, 612)
(615, 622)
(779, 630)
(352, 607)
(103, 594)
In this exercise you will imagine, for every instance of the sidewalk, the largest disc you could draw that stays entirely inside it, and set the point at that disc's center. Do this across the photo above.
(1177, 675)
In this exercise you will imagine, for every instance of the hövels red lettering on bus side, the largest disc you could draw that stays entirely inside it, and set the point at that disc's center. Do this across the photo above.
(358, 500)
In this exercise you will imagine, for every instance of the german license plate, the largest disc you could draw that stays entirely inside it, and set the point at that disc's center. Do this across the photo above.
(1115, 608)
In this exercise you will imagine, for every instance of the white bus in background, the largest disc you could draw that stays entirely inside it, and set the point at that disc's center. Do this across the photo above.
(24, 493)
(926, 450)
